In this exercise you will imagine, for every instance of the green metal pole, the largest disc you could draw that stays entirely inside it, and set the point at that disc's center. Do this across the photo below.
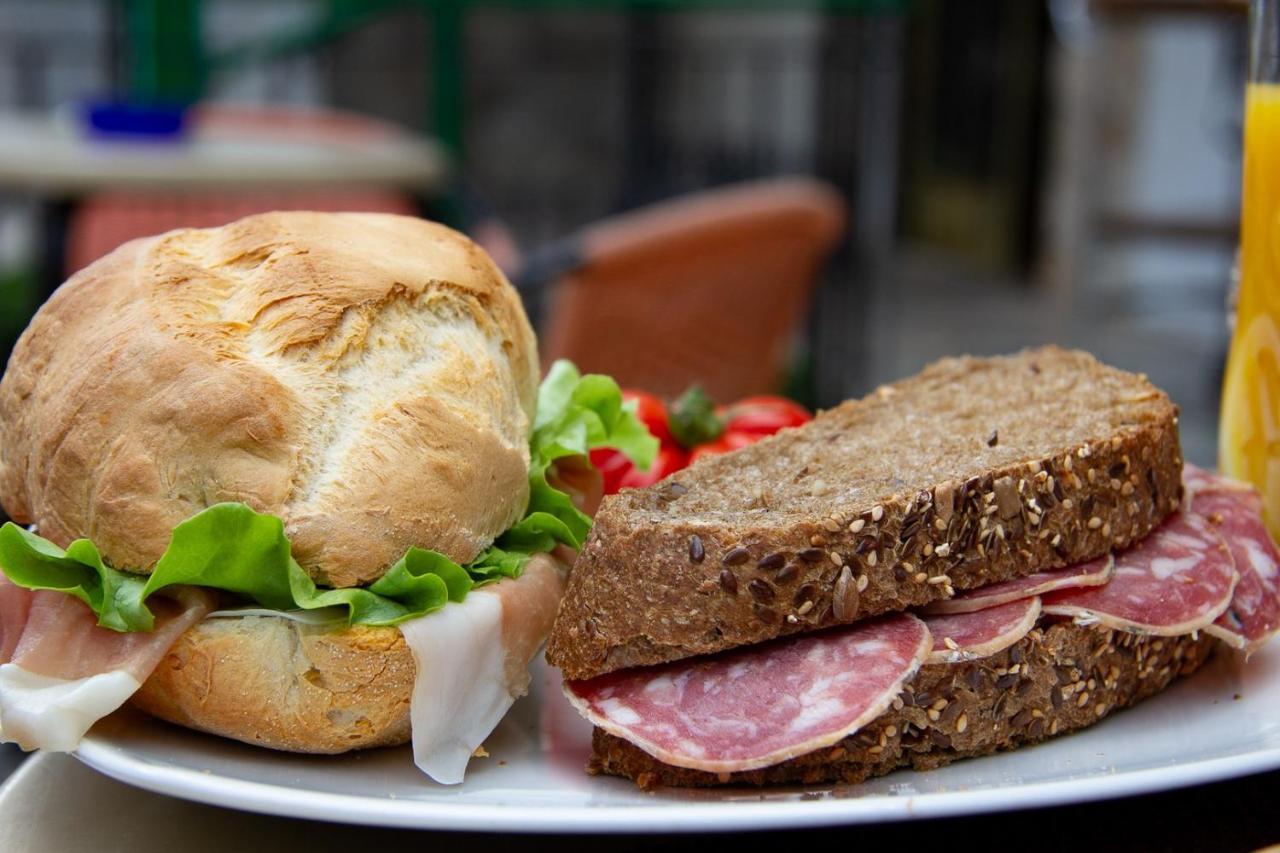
(448, 94)
(165, 55)
(448, 80)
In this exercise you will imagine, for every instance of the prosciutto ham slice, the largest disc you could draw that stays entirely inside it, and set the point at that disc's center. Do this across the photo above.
(1176, 581)
(473, 662)
(15, 605)
(758, 706)
(60, 673)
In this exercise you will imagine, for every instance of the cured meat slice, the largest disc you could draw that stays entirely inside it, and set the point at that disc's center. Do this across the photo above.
(1235, 511)
(1196, 480)
(15, 605)
(1230, 630)
(60, 673)
(1093, 573)
(759, 705)
(969, 636)
(472, 662)
(61, 638)
(1177, 580)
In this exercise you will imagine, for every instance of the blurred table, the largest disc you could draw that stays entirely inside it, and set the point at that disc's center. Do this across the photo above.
(52, 159)
(51, 156)
(53, 804)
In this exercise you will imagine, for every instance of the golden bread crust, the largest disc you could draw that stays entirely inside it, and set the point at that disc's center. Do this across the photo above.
(368, 378)
(273, 682)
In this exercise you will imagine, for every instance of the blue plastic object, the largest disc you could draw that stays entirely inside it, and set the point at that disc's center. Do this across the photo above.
(149, 121)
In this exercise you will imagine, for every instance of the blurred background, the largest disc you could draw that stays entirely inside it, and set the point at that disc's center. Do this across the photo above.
(758, 196)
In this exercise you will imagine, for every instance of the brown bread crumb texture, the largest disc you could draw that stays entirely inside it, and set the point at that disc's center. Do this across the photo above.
(977, 470)
(1059, 678)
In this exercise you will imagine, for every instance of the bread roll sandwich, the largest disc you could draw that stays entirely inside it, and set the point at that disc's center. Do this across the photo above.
(989, 554)
(290, 481)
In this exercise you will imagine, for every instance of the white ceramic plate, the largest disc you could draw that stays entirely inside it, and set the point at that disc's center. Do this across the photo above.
(1223, 722)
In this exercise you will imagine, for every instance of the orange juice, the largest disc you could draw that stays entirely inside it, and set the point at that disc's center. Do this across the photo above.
(1249, 435)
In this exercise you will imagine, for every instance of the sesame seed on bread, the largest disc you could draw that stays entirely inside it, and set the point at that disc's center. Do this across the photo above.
(977, 470)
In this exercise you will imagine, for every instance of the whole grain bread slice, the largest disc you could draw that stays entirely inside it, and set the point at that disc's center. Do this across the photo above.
(977, 470)
(1059, 678)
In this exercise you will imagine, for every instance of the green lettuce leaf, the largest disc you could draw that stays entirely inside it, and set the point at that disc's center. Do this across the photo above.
(575, 414)
(231, 547)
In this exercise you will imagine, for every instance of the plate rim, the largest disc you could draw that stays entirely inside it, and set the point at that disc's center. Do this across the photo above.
(272, 799)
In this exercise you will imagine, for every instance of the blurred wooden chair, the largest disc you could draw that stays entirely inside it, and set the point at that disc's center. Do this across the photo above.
(708, 288)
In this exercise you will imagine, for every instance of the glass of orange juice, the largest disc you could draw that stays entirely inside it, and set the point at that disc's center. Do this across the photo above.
(1249, 433)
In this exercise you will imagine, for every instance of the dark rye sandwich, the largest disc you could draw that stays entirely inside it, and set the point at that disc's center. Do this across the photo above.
(290, 481)
(991, 553)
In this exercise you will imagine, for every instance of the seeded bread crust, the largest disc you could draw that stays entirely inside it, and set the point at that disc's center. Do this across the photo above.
(975, 471)
(1059, 678)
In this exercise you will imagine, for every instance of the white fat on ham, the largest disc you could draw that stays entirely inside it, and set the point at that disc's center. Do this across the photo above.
(473, 662)
(60, 673)
(43, 712)
(323, 616)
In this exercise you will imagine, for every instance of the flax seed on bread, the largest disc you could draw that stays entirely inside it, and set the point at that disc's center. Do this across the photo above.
(1059, 678)
(977, 470)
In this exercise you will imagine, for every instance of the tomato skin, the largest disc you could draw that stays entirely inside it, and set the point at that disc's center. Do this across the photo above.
(745, 422)
(764, 414)
(729, 440)
(651, 412)
(613, 465)
(669, 460)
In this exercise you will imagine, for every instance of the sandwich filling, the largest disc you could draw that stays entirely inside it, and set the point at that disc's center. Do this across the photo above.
(78, 637)
(1182, 579)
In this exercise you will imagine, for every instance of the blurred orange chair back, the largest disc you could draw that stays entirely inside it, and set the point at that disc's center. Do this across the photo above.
(107, 219)
(709, 288)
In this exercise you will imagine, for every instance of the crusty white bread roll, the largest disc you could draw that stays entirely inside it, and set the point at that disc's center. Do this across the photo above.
(274, 682)
(368, 378)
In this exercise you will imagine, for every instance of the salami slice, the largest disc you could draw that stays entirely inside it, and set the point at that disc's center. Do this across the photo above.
(1230, 630)
(969, 636)
(1197, 480)
(1093, 573)
(1235, 511)
(759, 705)
(1177, 580)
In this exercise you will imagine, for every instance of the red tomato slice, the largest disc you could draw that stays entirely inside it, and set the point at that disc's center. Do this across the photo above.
(613, 465)
(651, 412)
(764, 414)
(727, 442)
(669, 460)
